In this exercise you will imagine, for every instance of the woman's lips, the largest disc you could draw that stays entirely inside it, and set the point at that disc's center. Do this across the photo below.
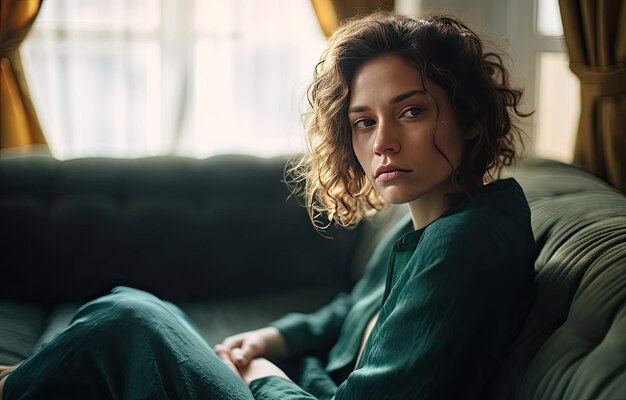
(391, 175)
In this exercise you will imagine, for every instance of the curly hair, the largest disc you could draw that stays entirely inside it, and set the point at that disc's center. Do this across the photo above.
(444, 51)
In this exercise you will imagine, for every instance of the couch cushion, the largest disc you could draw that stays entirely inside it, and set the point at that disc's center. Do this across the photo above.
(20, 327)
(221, 318)
(573, 344)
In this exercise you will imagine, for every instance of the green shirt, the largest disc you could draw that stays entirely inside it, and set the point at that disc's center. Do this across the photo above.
(452, 297)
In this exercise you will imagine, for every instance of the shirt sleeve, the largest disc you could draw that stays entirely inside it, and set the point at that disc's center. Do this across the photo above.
(443, 327)
(304, 333)
(318, 331)
(276, 387)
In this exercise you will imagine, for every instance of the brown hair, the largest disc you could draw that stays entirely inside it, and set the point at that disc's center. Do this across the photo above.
(444, 51)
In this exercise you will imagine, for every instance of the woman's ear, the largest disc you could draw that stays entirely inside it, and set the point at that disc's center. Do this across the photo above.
(472, 131)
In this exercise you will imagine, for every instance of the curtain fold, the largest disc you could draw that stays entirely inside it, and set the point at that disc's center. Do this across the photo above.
(595, 35)
(330, 13)
(19, 126)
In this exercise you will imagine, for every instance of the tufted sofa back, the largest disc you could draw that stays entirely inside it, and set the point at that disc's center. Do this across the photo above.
(183, 228)
(573, 344)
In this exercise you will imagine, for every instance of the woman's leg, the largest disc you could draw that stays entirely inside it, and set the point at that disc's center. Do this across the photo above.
(126, 345)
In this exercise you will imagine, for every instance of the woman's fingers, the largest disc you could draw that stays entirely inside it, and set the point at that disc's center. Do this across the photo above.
(223, 353)
(233, 347)
(229, 345)
(243, 347)
(232, 342)
(242, 356)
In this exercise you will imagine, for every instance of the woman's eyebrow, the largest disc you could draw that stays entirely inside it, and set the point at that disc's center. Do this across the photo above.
(406, 95)
(393, 101)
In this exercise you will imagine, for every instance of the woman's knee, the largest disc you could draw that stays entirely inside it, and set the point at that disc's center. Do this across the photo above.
(123, 308)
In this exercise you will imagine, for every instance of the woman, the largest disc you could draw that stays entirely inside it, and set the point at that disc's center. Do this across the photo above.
(404, 111)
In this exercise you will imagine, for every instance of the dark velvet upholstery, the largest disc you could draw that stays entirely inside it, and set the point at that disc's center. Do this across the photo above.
(181, 228)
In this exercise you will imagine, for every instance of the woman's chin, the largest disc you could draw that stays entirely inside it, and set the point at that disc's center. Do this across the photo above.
(395, 197)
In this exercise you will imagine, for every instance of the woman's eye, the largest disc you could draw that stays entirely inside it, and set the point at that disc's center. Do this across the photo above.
(412, 112)
(364, 123)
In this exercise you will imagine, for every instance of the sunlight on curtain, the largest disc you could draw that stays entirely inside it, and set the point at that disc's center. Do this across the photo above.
(132, 78)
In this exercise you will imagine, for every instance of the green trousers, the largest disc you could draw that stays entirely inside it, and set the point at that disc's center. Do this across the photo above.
(126, 345)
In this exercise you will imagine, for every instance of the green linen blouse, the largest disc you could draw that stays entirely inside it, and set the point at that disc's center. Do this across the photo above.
(452, 297)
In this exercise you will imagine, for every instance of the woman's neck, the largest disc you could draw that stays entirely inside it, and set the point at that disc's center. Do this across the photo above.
(423, 213)
(433, 205)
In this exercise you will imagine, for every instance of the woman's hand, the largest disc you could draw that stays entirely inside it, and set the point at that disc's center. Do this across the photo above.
(225, 357)
(243, 347)
(260, 368)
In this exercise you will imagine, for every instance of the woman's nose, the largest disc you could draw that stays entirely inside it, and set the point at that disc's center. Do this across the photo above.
(386, 140)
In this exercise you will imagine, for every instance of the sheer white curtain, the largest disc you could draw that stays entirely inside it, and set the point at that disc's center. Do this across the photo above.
(132, 78)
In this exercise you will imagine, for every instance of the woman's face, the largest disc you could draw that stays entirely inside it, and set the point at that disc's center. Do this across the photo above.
(394, 132)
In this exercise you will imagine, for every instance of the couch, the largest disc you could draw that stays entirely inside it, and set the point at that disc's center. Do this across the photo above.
(223, 238)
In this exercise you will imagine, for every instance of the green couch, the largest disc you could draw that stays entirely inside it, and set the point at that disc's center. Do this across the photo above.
(222, 238)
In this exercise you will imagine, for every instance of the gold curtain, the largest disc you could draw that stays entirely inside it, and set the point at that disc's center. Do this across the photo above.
(595, 34)
(330, 13)
(19, 126)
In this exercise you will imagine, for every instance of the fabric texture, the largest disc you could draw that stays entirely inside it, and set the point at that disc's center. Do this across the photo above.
(19, 125)
(452, 297)
(595, 35)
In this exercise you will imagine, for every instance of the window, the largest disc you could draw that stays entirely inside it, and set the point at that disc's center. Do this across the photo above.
(558, 107)
(557, 88)
(132, 78)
